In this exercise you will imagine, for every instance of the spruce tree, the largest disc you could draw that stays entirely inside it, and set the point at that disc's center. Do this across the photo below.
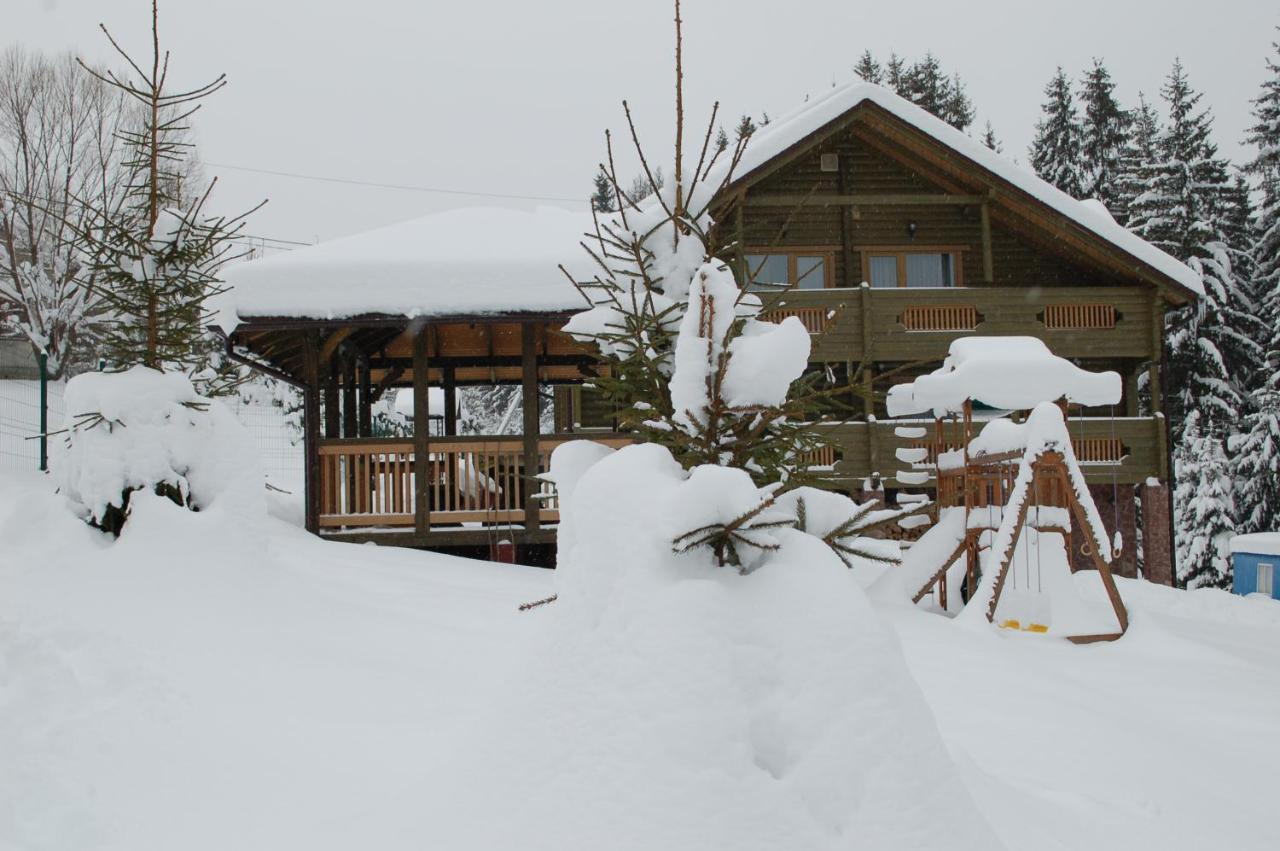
(868, 68)
(159, 253)
(1264, 135)
(1138, 157)
(1256, 450)
(989, 139)
(602, 198)
(895, 74)
(1055, 151)
(1184, 209)
(1204, 510)
(1104, 131)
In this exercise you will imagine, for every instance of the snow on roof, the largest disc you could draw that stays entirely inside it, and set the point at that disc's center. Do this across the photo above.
(1261, 543)
(1012, 373)
(470, 261)
(774, 138)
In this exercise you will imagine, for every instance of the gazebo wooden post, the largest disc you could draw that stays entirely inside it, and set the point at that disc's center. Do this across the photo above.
(450, 402)
(311, 430)
(332, 409)
(348, 395)
(421, 430)
(366, 397)
(529, 389)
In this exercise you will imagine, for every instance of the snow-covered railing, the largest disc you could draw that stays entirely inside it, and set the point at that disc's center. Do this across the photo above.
(472, 479)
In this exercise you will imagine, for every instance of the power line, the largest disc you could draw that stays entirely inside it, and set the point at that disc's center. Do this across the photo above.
(400, 186)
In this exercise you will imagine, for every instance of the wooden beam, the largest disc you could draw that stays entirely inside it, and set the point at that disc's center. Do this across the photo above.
(332, 408)
(366, 398)
(311, 432)
(924, 200)
(421, 431)
(529, 385)
(349, 420)
(988, 263)
(450, 402)
(335, 339)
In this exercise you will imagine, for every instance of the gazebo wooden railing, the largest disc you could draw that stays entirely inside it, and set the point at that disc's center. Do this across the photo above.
(366, 482)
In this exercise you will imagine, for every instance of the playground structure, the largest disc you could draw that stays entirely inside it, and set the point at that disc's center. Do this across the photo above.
(1007, 496)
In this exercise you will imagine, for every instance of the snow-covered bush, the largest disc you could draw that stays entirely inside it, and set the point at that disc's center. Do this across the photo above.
(679, 705)
(149, 430)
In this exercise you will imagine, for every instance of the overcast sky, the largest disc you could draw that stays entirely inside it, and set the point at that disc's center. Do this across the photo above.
(513, 97)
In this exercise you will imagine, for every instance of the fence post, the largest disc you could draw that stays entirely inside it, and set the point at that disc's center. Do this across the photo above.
(44, 411)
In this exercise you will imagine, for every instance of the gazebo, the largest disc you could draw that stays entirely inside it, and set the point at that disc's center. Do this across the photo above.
(465, 297)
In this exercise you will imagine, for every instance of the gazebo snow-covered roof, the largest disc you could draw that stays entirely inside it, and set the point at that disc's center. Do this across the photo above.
(1010, 373)
(476, 261)
(776, 140)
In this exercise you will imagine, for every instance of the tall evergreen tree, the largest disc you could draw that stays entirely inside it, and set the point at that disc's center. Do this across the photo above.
(745, 128)
(868, 68)
(989, 139)
(1138, 157)
(1264, 135)
(159, 253)
(1184, 209)
(895, 74)
(1103, 133)
(1055, 151)
(1256, 450)
(1204, 508)
(602, 198)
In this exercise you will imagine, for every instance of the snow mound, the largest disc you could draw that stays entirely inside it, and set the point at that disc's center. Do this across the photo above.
(673, 704)
(1013, 373)
(141, 428)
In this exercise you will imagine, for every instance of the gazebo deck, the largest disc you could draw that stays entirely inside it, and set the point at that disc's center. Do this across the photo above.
(473, 485)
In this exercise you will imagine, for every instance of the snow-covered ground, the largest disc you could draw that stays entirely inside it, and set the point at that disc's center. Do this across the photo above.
(198, 684)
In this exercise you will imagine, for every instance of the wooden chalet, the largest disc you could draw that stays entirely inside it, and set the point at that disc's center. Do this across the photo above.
(893, 233)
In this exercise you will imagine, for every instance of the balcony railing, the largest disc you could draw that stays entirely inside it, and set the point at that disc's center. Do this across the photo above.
(1126, 450)
(910, 324)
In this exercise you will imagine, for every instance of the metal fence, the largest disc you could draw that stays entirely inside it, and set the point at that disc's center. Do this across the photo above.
(278, 441)
(20, 421)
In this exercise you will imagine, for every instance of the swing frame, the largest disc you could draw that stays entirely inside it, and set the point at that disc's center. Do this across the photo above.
(987, 480)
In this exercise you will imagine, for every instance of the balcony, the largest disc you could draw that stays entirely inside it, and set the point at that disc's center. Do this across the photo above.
(911, 324)
(1123, 450)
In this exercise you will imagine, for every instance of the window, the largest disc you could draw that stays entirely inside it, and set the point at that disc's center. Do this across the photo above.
(806, 270)
(1266, 579)
(902, 268)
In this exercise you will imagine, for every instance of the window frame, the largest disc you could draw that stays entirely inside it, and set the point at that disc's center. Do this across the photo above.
(1271, 578)
(793, 253)
(900, 252)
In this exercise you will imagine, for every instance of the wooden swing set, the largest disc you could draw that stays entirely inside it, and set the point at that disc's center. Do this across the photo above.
(982, 485)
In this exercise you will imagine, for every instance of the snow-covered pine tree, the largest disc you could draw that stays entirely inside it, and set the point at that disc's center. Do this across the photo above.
(928, 87)
(1139, 157)
(1104, 130)
(989, 139)
(746, 126)
(868, 68)
(1184, 209)
(895, 74)
(1204, 519)
(1055, 150)
(158, 255)
(602, 199)
(1256, 450)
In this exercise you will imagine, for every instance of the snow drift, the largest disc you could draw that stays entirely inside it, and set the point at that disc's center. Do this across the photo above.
(674, 704)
